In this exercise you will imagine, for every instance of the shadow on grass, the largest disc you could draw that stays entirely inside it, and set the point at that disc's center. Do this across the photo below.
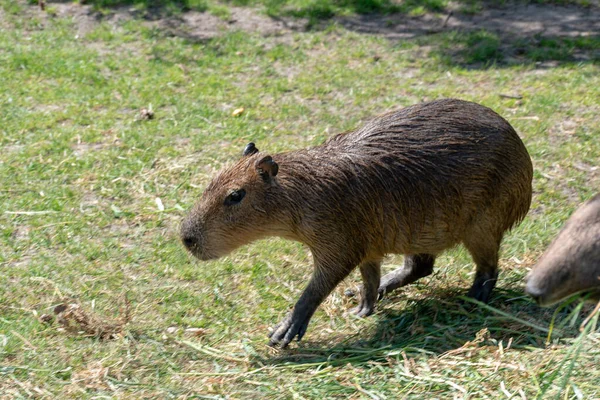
(172, 6)
(483, 49)
(486, 34)
(320, 10)
(436, 325)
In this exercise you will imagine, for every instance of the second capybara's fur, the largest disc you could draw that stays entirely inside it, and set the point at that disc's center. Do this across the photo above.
(415, 181)
(571, 264)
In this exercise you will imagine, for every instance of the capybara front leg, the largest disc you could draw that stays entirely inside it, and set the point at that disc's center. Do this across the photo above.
(324, 279)
(416, 266)
(485, 255)
(483, 284)
(485, 279)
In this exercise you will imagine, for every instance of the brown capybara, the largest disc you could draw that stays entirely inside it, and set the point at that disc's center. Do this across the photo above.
(415, 181)
(571, 264)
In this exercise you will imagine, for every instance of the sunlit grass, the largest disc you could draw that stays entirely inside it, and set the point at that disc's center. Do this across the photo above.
(81, 170)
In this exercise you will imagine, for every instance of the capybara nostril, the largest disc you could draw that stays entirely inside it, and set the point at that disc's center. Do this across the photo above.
(189, 234)
(189, 241)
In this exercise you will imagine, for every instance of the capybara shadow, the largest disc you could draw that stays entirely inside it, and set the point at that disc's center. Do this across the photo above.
(436, 323)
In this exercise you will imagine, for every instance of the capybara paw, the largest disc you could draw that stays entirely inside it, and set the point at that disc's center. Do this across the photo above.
(363, 310)
(482, 288)
(479, 294)
(284, 332)
(381, 292)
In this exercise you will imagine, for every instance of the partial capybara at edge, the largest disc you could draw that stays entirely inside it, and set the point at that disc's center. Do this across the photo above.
(571, 264)
(415, 181)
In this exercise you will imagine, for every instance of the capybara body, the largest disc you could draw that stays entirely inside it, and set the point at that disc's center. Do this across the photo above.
(415, 181)
(571, 264)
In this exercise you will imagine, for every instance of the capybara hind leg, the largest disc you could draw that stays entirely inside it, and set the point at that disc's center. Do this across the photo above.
(415, 267)
(371, 275)
(486, 259)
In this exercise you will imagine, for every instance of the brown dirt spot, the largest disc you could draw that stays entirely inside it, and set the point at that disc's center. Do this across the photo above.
(13, 148)
(563, 130)
(93, 377)
(196, 25)
(80, 149)
(21, 233)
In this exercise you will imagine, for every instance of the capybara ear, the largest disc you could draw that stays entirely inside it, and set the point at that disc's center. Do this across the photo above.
(250, 149)
(266, 168)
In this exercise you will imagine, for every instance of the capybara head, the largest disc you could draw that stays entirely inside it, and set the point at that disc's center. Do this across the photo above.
(571, 264)
(236, 207)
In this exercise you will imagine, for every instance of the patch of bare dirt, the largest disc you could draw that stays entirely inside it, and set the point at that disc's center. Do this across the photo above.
(520, 20)
(83, 16)
(196, 25)
(80, 149)
(3, 20)
(94, 377)
(564, 130)
(192, 24)
(13, 148)
(21, 233)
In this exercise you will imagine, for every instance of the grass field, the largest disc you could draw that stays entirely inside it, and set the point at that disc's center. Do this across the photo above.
(92, 192)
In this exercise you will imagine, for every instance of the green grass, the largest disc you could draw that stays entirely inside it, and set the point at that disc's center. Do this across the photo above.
(80, 172)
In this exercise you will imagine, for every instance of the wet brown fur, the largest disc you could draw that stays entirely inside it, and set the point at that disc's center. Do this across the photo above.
(415, 181)
(571, 264)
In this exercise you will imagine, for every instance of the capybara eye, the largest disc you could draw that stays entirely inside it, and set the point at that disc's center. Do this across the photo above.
(235, 197)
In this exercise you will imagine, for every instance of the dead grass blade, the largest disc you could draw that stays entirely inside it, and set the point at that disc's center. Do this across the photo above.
(74, 319)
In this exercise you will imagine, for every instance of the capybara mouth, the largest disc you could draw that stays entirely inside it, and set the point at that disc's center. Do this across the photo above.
(590, 295)
(547, 300)
(205, 257)
(202, 255)
(536, 293)
(544, 301)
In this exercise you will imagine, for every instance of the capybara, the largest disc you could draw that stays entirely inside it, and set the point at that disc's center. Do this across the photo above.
(571, 264)
(415, 181)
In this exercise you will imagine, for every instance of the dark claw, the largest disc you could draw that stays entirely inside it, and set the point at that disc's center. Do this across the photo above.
(279, 325)
(302, 331)
(286, 331)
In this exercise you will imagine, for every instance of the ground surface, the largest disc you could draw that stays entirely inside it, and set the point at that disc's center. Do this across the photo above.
(92, 191)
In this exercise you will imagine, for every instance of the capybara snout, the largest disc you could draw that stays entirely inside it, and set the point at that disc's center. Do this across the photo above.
(571, 264)
(192, 237)
(541, 290)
